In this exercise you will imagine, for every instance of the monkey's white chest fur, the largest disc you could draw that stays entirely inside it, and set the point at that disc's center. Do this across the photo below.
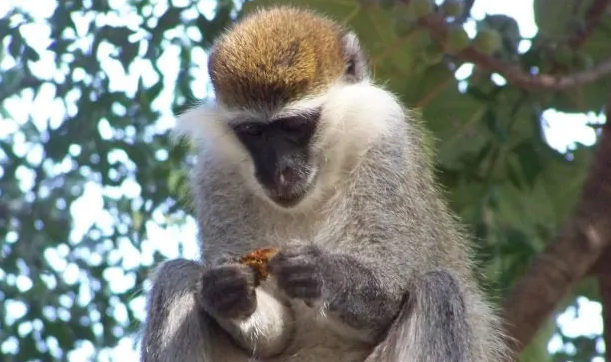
(311, 339)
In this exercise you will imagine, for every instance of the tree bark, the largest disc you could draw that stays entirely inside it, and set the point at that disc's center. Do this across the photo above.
(604, 282)
(567, 258)
(587, 232)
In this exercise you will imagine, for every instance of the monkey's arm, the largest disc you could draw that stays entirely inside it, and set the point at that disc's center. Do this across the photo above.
(427, 317)
(355, 300)
(177, 329)
(359, 299)
(257, 321)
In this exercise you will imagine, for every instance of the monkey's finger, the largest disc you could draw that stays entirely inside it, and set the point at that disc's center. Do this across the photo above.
(233, 283)
(306, 278)
(230, 275)
(213, 286)
(302, 285)
(232, 269)
(228, 295)
(309, 250)
(225, 260)
(304, 292)
(232, 298)
(289, 257)
(231, 286)
(295, 266)
(237, 308)
(222, 273)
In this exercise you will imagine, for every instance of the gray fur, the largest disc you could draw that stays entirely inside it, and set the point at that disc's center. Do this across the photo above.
(227, 291)
(357, 69)
(372, 268)
(434, 311)
(392, 230)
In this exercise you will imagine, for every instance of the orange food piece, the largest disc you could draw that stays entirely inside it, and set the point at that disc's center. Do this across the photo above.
(258, 260)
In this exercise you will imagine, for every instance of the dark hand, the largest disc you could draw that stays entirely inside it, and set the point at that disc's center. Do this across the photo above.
(298, 271)
(227, 290)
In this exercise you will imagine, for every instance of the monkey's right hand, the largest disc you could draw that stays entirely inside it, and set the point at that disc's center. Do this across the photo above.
(228, 291)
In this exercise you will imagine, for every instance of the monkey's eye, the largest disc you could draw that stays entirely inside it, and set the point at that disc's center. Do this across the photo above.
(249, 129)
(295, 124)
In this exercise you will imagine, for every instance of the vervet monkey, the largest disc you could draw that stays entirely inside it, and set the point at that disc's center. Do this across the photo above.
(303, 152)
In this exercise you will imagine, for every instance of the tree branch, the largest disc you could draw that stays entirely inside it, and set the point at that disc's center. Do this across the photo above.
(604, 282)
(567, 258)
(468, 5)
(592, 19)
(512, 72)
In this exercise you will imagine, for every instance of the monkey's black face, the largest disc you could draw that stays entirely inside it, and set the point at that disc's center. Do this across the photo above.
(280, 151)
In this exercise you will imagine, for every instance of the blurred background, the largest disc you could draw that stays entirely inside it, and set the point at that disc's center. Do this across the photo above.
(92, 188)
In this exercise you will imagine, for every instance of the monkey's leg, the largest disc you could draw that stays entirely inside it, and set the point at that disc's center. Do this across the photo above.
(431, 326)
(177, 330)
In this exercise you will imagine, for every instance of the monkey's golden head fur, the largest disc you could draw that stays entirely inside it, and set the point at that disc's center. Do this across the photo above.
(275, 56)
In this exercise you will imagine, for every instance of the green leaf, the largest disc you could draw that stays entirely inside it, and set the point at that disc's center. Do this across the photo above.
(530, 163)
(16, 45)
(30, 54)
(170, 18)
(553, 17)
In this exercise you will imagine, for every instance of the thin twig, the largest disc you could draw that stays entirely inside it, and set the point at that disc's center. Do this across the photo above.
(433, 92)
(396, 45)
(468, 5)
(512, 72)
(352, 14)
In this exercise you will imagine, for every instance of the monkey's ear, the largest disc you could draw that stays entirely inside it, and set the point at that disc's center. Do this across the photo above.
(357, 68)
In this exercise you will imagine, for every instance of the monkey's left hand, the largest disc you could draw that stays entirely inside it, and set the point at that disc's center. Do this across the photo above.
(349, 290)
(298, 271)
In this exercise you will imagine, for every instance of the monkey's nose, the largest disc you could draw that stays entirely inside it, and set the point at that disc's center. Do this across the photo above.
(287, 176)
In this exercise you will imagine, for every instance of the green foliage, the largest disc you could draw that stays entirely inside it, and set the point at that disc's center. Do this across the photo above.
(488, 41)
(422, 7)
(452, 8)
(106, 136)
(512, 190)
(457, 39)
(556, 19)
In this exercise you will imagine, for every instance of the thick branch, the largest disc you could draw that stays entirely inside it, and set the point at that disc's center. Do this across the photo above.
(567, 259)
(604, 282)
(512, 72)
(602, 265)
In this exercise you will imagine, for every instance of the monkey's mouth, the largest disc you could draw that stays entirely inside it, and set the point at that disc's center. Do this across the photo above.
(287, 200)
(289, 190)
